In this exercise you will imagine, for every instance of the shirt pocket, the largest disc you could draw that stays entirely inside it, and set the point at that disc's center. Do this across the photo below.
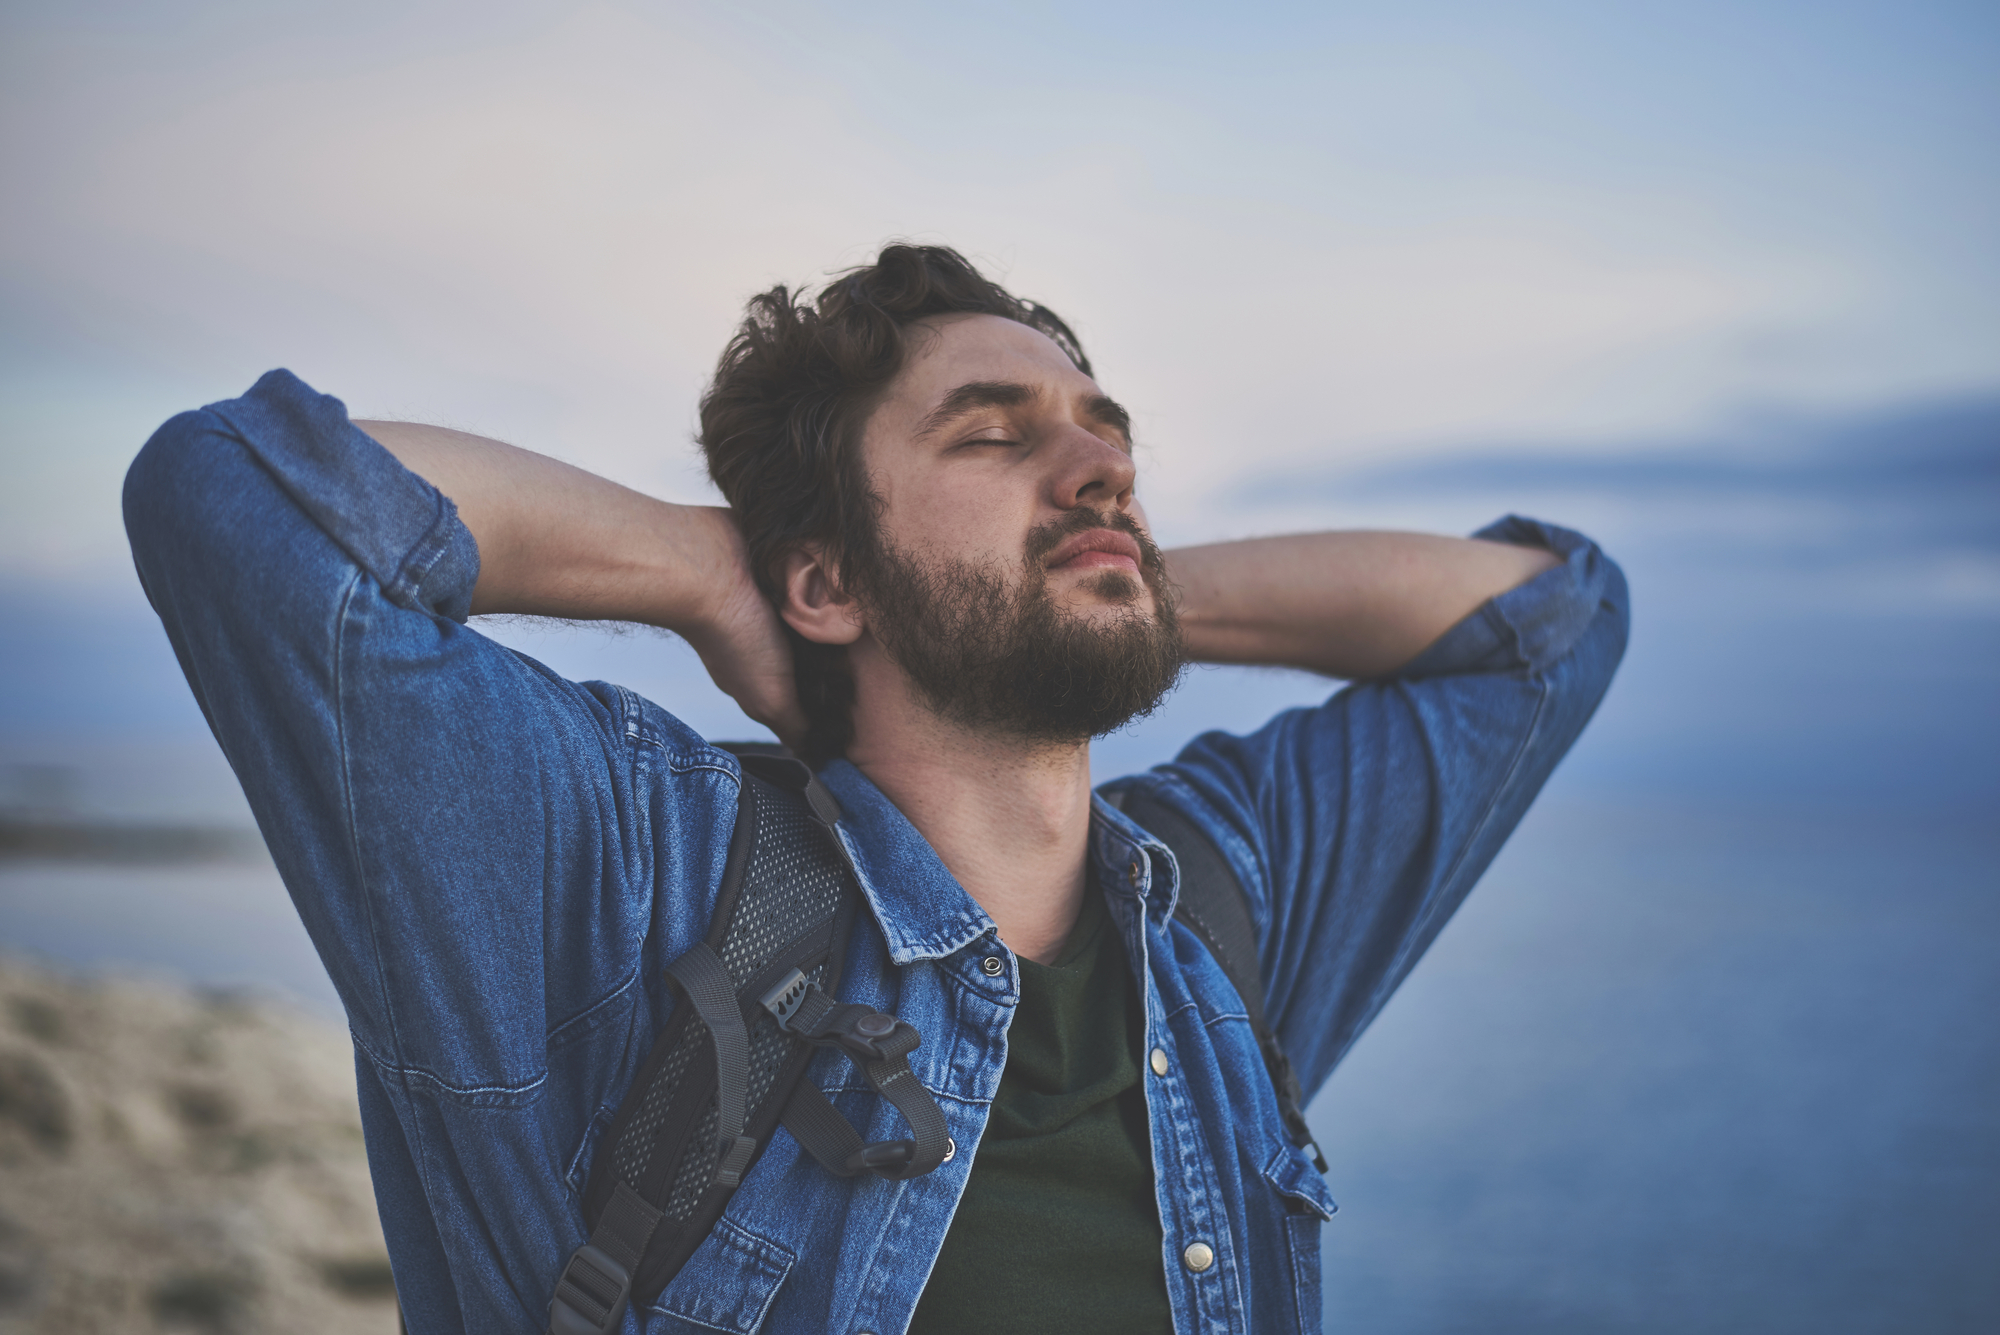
(727, 1285)
(1295, 1179)
(578, 1176)
(1308, 1204)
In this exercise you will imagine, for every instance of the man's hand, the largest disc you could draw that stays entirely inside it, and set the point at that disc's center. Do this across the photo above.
(1352, 605)
(741, 641)
(556, 541)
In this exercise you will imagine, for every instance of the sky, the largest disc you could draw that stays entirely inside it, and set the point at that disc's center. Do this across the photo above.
(1294, 238)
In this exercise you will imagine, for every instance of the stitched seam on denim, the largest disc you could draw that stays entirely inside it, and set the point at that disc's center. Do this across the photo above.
(1479, 828)
(1204, 1203)
(632, 726)
(558, 1036)
(416, 564)
(411, 1126)
(631, 721)
(340, 621)
(927, 949)
(773, 1254)
(942, 1096)
(630, 715)
(882, 1270)
(1285, 1157)
(593, 1134)
(684, 1319)
(433, 1078)
(680, 762)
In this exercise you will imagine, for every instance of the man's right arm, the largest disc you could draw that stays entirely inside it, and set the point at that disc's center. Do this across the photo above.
(559, 542)
(450, 817)
(495, 863)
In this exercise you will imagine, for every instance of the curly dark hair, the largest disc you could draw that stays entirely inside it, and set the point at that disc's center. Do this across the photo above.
(781, 428)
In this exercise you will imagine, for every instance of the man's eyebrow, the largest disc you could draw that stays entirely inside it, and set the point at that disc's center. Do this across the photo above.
(972, 396)
(1107, 411)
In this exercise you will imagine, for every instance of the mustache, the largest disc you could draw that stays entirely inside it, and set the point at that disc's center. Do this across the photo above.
(1047, 537)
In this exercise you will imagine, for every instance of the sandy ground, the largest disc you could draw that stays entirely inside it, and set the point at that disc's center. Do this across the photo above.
(172, 1160)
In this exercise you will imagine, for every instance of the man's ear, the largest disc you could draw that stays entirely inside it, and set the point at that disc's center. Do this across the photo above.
(814, 604)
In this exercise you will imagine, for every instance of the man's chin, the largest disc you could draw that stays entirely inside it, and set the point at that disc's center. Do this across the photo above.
(1109, 591)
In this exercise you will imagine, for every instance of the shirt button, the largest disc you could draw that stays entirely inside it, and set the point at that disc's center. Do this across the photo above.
(1198, 1257)
(992, 966)
(1160, 1068)
(1132, 872)
(950, 1150)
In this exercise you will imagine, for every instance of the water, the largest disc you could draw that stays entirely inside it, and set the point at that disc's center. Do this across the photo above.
(1686, 1069)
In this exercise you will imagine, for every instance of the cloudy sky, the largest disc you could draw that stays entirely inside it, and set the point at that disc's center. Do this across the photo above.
(1291, 236)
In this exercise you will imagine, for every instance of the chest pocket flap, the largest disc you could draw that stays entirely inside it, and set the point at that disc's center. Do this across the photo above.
(1292, 1176)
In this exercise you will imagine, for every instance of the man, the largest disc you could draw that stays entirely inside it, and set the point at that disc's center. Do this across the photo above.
(934, 579)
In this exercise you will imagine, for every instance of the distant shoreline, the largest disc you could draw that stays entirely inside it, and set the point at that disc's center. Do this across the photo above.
(128, 844)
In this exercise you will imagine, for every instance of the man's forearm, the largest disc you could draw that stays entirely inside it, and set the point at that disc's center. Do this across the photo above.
(557, 541)
(1354, 604)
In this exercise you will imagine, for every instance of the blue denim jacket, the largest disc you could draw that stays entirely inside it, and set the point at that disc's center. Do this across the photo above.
(497, 863)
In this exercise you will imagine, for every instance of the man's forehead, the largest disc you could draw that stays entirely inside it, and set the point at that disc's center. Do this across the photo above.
(949, 351)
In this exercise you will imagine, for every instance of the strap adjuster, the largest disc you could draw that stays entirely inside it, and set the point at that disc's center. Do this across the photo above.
(734, 1161)
(803, 1008)
(878, 1043)
(591, 1296)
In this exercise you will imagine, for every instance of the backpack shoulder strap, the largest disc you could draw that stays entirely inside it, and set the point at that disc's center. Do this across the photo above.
(1216, 909)
(729, 1065)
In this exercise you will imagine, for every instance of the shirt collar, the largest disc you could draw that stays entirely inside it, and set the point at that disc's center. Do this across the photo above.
(1132, 862)
(925, 914)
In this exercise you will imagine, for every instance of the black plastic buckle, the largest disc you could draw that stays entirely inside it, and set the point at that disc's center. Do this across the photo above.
(882, 1157)
(591, 1295)
(862, 1032)
(733, 1160)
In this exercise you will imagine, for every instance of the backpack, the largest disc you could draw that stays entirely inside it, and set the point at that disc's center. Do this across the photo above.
(726, 1069)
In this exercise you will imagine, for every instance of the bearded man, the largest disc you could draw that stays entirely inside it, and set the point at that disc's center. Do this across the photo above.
(935, 582)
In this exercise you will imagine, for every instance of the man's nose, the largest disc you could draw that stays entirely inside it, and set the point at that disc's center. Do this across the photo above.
(1090, 470)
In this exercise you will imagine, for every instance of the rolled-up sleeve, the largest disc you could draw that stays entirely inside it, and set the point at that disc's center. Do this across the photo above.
(1358, 827)
(447, 815)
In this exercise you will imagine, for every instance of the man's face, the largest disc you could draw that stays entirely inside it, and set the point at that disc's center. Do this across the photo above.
(1013, 578)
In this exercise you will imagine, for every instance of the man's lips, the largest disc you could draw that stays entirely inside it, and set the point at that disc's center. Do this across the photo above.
(1096, 549)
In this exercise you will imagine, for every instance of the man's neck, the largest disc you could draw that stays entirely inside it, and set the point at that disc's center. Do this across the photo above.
(1009, 818)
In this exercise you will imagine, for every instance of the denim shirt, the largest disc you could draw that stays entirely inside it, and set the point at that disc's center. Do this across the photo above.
(496, 865)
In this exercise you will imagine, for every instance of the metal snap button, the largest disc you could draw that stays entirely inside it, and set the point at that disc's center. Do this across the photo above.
(992, 966)
(1198, 1257)
(950, 1150)
(1132, 872)
(1160, 1068)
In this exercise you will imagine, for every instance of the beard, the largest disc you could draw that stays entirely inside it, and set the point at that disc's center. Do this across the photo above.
(999, 654)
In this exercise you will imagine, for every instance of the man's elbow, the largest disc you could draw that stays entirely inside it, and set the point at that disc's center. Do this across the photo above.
(174, 497)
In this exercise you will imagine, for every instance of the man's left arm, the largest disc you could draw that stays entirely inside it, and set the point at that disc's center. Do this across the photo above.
(1354, 605)
(1358, 826)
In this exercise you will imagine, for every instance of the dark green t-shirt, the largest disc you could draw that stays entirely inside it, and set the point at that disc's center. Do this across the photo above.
(1058, 1229)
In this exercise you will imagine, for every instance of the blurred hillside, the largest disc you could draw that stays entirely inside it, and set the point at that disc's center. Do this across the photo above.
(178, 1160)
